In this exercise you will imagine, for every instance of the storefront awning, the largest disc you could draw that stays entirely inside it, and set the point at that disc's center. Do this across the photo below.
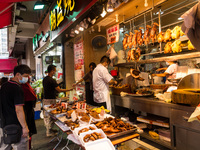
(5, 14)
(7, 65)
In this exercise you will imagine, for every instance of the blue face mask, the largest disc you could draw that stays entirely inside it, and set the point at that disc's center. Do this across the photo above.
(24, 80)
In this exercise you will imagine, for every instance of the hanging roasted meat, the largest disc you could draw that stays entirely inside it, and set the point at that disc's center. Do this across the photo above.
(167, 35)
(176, 32)
(130, 39)
(153, 32)
(168, 47)
(125, 44)
(134, 39)
(160, 37)
(129, 56)
(146, 37)
(139, 36)
(137, 54)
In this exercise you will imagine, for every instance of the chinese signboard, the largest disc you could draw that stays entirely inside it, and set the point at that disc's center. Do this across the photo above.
(78, 58)
(37, 38)
(112, 34)
(63, 8)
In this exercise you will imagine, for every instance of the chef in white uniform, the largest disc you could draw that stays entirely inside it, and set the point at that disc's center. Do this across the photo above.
(101, 81)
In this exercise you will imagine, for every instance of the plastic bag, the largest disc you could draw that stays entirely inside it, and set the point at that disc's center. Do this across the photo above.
(195, 115)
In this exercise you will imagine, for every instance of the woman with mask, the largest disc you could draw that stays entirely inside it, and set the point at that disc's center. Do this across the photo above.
(88, 77)
(170, 71)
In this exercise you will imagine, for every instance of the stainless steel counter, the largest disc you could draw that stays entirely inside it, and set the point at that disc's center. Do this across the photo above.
(148, 104)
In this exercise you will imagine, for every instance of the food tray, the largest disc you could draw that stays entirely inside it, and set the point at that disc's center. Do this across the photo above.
(95, 120)
(102, 144)
(76, 130)
(139, 95)
(114, 135)
(46, 107)
(82, 135)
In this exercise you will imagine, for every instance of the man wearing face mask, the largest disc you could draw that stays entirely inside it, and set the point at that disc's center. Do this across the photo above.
(101, 81)
(170, 71)
(88, 76)
(50, 87)
(12, 101)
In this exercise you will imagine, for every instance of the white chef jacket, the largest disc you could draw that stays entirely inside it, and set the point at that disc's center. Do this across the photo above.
(171, 70)
(101, 77)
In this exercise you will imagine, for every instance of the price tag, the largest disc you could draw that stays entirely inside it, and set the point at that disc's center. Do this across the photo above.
(84, 105)
(73, 116)
(64, 105)
(78, 105)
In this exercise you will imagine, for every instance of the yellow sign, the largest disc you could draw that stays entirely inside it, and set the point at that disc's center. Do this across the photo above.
(58, 14)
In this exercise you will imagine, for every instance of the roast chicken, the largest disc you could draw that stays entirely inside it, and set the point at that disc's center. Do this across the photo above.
(176, 46)
(134, 39)
(160, 37)
(129, 56)
(176, 32)
(167, 35)
(139, 36)
(146, 37)
(137, 54)
(129, 41)
(153, 32)
(168, 47)
(125, 44)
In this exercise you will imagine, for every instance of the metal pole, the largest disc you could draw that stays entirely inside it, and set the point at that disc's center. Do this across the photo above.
(159, 21)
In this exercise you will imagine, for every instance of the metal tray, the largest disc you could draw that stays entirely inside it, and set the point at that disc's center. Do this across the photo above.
(139, 95)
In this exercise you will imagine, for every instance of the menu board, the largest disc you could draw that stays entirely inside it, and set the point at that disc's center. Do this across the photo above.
(78, 58)
(112, 34)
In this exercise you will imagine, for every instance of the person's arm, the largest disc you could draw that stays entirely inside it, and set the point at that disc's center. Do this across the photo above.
(160, 75)
(21, 117)
(62, 90)
(81, 80)
(112, 82)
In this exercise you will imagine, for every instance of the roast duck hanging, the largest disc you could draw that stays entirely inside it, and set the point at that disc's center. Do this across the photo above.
(134, 54)
(139, 36)
(129, 41)
(146, 37)
(134, 39)
(153, 32)
(125, 44)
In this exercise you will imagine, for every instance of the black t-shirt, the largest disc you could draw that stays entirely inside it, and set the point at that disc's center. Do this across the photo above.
(49, 85)
(11, 94)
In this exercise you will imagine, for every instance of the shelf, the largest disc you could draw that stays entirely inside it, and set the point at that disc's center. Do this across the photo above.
(154, 121)
(163, 143)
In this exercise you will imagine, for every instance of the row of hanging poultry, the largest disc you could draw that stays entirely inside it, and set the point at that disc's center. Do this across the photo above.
(133, 40)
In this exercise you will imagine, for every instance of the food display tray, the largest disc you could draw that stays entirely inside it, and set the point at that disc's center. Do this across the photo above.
(139, 95)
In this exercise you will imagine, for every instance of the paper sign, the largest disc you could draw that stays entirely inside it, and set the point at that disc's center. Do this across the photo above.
(78, 105)
(73, 116)
(64, 105)
(112, 34)
(84, 105)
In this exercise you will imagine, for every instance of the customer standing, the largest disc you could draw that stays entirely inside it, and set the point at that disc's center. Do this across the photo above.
(30, 101)
(12, 101)
(50, 87)
(101, 81)
(88, 76)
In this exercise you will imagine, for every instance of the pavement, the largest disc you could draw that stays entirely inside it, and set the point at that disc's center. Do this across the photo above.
(41, 142)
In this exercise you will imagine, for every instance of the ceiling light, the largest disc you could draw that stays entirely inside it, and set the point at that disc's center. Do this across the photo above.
(85, 24)
(93, 21)
(110, 6)
(81, 26)
(180, 18)
(117, 17)
(72, 31)
(38, 5)
(103, 12)
(145, 3)
(76, 30)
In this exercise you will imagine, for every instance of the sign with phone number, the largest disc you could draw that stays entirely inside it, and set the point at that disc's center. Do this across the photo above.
(112, 34)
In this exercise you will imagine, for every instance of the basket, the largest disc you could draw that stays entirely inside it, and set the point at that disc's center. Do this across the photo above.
(117, 91)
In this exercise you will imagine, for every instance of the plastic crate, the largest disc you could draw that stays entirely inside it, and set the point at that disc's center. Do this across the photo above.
(37, 115)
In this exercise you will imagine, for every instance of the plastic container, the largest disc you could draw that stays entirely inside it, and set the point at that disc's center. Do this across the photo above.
(76, 130)
(37, 115)
(82, 135)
